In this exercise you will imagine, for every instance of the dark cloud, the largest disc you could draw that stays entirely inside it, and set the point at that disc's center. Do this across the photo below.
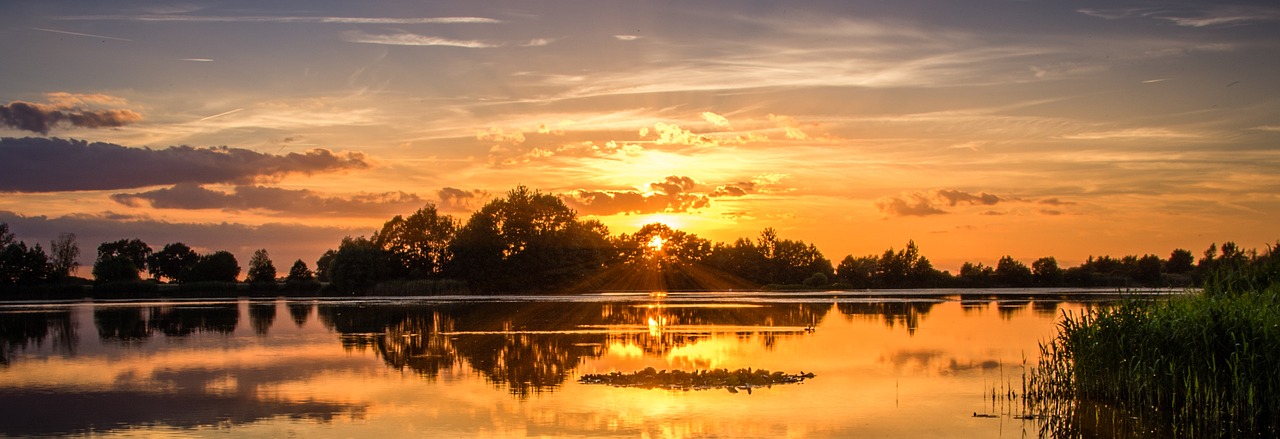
(613, 202)
(51, 165)
(290, 201)
(908, 205)
(672, 194)
(454, 199)
(954, 197)
(40, 118)
(931, 203)
(1056, 202)
(739, 189)
(673, 185)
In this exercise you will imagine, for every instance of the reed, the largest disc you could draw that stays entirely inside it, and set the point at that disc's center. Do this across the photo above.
(1201, 365)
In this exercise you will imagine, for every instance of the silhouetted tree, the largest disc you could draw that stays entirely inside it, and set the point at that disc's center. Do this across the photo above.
(63, 255)
(358, 265)
(1148, 270)
(770, 260)
(976, 275)
(322, 265)
(1012, 273)
(857, 272)
(172, 262)
(219, 266)
(121, 260)
(1180, 262)
(20, 265)
(261, 269)
(6, 237)
(677, 246)
(419, 243)
(527, 240)
(299, 272)
(1046, 273)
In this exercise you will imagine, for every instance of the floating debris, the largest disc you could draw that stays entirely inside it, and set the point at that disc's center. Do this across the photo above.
(733, 381)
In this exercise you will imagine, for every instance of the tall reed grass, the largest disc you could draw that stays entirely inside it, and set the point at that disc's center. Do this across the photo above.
(1200, 365)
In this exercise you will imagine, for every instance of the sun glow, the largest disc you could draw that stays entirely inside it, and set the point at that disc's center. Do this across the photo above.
(656, 243)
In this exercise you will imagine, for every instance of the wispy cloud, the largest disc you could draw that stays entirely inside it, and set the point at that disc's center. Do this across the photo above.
(283, 19)
(411, 39)
(78, 34)
(1192, 16)
(1132, 133)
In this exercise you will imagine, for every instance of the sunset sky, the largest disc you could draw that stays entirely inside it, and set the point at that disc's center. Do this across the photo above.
(976, 128)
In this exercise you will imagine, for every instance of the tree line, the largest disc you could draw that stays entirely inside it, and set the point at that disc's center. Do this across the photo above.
(528, 241)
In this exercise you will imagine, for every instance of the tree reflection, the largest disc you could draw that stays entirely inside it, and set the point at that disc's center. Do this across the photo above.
(903, 313)
(533, 347)
(261, 316)
(132, 324)
(24, 330)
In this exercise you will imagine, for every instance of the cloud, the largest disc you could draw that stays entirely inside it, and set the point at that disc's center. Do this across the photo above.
(626, 37)
(78, 34)
(673, 185)
(40, 118)
(672, 134)
(1132, 133)
(953, 197)
(670, 195)
(1056, 202)
(914, 204)
(283, 19)
(715, 119)
(1208, 15)
(411, 39)
(790, 126)
(51, 165)
(454, 199)
(931, 203)
(729, 190)
(273, 199)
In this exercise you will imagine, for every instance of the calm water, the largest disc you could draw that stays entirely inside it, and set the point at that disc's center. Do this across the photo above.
(906, 365)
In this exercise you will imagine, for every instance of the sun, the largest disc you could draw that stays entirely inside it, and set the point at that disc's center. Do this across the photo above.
(656, 243)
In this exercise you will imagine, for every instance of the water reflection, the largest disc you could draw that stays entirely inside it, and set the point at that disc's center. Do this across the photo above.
(533, 347)
(508, 367)
(24, 330)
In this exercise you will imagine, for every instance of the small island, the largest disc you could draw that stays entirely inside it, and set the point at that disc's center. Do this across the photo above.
(733, 381)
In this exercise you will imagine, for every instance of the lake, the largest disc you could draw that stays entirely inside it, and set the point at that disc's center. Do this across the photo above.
(916, 363)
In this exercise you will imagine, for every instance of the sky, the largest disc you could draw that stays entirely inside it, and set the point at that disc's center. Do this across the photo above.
(978, 129)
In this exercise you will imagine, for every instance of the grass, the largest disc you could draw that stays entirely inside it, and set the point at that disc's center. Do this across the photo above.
(1201, 365)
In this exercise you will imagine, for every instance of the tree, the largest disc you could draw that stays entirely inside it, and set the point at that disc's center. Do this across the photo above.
(527, 240)
(1012, 273)
(6, 237)
(20, 265)
(857, 272)
(1148, 269)
(299, 272)
(1046, 273)
(261, 270)
(976, 275)
(118, 258)
(419, 243)
(658, 242)
(358, 265)
(1180, 262)
(63, 255)
(322, 265)
(219, 266)
(173, 262)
